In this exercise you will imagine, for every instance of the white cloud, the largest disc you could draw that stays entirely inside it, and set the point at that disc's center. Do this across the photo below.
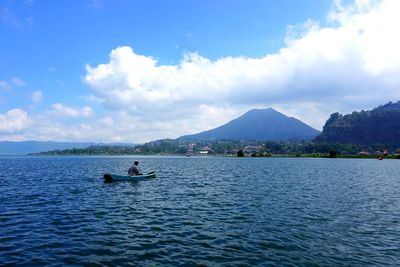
(107, 121)
(14, 120)
(93, 98)
(18, 81)
(4, 86)
(189, 35)
(353, 63)
(66, 111)
(8, 16)
(37, 97)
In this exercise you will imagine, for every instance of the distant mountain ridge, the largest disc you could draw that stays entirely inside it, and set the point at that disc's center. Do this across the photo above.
(259, 124)
(26, 147)
(380, 125)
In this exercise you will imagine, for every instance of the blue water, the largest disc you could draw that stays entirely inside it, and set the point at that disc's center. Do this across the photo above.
(200, 211)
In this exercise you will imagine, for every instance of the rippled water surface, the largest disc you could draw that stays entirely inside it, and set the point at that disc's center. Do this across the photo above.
(200, 211)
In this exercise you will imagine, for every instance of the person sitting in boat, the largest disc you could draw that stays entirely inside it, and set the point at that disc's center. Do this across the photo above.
(134, 169)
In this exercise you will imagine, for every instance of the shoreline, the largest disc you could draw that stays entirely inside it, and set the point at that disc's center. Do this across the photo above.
(217, 155)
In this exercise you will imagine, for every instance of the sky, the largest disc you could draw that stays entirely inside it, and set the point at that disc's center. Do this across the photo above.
(133, 71)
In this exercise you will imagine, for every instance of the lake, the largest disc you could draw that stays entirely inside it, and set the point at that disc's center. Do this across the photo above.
(200, 211)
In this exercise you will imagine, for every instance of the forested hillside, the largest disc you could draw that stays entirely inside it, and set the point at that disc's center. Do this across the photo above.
(378, 126)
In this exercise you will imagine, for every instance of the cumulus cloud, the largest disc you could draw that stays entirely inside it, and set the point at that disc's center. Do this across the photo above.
(14, 120)
(66, 111)
(46, 126)
(350, 64)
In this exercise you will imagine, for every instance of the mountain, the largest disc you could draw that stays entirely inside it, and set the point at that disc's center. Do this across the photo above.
(380, 125)
(259, 124)
(25, 147)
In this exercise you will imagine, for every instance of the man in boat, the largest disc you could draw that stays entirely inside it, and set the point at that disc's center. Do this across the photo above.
(134, 169)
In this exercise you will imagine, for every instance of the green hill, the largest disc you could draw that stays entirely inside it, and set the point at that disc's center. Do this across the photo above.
(380, 125)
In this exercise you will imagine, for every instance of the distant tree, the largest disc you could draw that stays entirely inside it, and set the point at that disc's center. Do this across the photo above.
(240, 153)
(182, 150)
(332, 154)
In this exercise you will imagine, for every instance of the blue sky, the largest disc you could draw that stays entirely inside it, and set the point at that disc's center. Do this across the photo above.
(47, 43)
(134, 71)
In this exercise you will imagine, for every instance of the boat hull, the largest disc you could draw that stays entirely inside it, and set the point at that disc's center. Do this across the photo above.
(114, 177)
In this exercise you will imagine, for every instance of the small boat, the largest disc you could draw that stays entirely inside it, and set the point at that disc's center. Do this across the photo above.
(115, 177)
